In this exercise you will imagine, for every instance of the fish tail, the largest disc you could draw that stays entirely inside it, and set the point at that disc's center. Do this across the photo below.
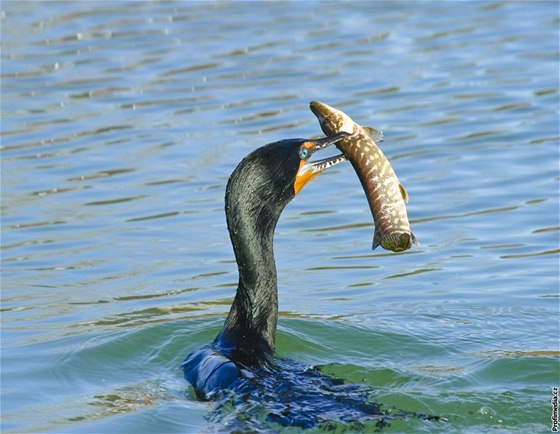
(395, 242)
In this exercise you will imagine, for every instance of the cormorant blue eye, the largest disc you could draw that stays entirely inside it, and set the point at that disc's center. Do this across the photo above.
(303, 153)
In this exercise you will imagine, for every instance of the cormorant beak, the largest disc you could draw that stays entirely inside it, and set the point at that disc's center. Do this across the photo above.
(310, 169)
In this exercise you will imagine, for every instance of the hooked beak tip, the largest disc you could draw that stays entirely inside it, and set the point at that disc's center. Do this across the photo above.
(328, 141)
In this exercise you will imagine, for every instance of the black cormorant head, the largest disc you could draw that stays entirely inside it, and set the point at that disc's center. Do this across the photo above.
(269, 177)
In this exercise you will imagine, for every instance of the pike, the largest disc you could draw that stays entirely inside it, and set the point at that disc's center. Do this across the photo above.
(386, 195)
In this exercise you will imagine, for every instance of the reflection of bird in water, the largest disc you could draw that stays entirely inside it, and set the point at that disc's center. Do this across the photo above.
(240, 359)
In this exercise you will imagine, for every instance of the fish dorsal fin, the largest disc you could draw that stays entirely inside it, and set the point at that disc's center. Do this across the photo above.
(375, 134)
(404, 194)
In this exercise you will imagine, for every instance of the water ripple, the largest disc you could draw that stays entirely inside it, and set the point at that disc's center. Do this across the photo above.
(120, 125)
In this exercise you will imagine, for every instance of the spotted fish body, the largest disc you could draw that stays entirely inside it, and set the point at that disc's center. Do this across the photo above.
(385, 194)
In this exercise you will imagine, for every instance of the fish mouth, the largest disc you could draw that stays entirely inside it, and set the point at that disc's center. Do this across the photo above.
(325, 115)
(310, 169)
(321, 110)
(331, 120)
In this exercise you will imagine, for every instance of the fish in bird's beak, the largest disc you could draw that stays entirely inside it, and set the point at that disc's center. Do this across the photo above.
(310, 169)
(386, 196)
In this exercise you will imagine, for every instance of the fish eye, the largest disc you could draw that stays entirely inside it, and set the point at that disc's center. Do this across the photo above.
(303, 153)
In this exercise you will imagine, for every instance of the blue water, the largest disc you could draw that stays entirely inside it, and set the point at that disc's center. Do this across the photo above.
(121, 122)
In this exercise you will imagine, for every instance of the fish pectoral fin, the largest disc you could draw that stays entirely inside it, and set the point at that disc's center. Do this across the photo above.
(375, 134)
(376, 238)
(404, 194)
(414, 240)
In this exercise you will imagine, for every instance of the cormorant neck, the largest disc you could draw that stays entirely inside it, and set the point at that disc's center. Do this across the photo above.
(253, 207)
(251, 323)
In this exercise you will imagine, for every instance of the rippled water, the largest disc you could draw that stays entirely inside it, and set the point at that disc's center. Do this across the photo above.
(120, 125)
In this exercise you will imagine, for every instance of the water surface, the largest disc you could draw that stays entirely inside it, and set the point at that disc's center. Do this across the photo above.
(121, 122)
